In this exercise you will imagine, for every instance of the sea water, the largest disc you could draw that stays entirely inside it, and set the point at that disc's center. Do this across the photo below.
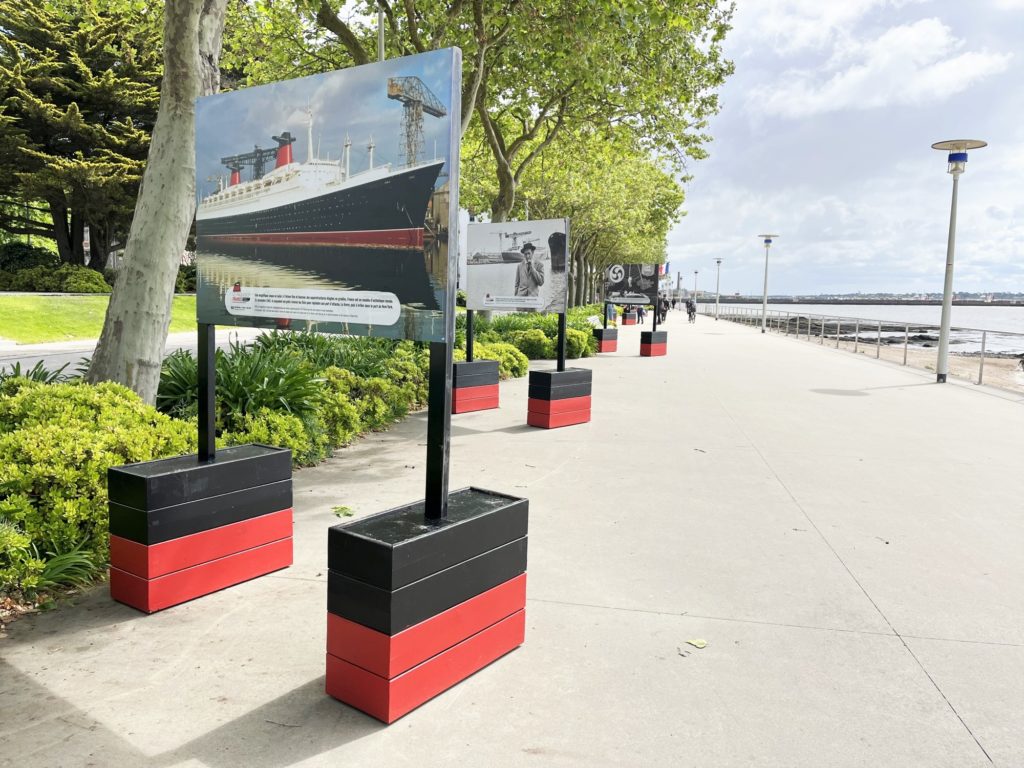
(1005, 324)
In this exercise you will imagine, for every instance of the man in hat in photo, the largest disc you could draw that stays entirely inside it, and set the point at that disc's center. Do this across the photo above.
(530, 273)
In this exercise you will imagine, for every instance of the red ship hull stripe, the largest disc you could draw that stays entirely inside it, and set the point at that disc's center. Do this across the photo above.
(403, 238)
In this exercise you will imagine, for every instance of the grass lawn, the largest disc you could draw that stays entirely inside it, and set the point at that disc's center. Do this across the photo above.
(35, 319)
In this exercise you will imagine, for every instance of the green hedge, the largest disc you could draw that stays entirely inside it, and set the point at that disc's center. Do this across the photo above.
(309, 393)
(56, 443)
(67, 278)
(535, 335)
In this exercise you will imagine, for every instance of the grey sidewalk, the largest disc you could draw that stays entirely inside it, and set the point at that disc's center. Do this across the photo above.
(846, 536)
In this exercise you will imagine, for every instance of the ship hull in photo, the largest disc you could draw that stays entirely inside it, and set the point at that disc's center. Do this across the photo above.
(386, 212)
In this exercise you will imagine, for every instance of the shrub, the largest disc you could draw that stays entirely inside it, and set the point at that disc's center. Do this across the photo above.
(578, 343)
(248, 379)
(185, 282)
(511, 362)
(56, 443)
(178, 391)
(5, 280)
(83, 280)
(45, 279)
(340, 415)
(37, 372)
(306, 439)
(533, 343)
(68, 278)
(363, 356)
(17, 256)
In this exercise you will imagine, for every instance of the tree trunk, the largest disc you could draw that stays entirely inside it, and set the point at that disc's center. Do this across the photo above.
(131, 346)
(77, 239)
(580, 279)
(99, 246)
(59, 215)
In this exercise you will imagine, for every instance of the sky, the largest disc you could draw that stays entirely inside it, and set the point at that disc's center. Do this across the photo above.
(825, 135)
(351, 102)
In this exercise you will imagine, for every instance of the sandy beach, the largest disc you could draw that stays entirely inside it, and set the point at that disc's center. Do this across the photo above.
(1002, 372)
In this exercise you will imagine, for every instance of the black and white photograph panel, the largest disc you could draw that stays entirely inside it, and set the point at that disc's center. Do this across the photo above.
(323, 203)
(517, 266)
(631, 284)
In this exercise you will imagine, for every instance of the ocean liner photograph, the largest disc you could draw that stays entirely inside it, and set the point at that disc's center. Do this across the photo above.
(322, 202)
(517, 266)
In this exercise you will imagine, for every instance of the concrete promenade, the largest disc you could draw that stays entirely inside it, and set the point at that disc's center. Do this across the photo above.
(846, 536)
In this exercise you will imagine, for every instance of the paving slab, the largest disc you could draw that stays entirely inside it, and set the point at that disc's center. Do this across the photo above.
(739, 490)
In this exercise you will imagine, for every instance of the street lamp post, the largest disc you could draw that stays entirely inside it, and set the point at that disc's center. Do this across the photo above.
(718, 285)
(695, 285)
(957, 149)
(764, 301)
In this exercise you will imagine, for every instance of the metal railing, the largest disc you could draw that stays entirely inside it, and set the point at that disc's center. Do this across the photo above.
(911, 344)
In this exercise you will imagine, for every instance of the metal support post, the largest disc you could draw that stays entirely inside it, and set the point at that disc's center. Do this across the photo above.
(207, 376)
(561, 338)
(439, 427)
(878, 341)
(981, 363)
(469, 335)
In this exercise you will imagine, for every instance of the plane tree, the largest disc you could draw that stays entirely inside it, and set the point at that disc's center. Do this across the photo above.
(532, 68)
(131, 345)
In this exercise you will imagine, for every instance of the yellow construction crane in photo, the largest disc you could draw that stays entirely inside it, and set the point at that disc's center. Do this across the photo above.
(417, 99)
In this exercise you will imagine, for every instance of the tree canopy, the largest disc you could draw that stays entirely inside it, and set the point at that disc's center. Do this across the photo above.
(532, 68)
(78, 99)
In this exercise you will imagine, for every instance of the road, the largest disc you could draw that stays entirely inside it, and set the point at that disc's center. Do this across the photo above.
(74, 353)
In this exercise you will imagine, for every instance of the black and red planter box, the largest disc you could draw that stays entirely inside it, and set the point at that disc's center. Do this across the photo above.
(653, 343)
(607, 339)
(181, 528)
(474, 386)
(559, 398)
(414, 608)
(629, 318)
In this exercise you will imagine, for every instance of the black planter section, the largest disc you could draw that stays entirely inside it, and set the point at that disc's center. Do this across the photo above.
(415, 608)
(559, 398)
(181, 528)
(607, 339)
(474, 386)
(653, 343)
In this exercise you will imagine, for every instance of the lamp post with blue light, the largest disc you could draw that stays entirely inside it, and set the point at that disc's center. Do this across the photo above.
(764, 301)
(957, 149)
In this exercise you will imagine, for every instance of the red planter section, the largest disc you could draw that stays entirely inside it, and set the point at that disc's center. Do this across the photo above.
(607, 339)
(629, 318)
(412, 613)
(181, 528)
(559, 398)
(474, 386)
(653, 343)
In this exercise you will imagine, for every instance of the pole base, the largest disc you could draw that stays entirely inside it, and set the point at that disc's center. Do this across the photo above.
(762, 330)
(940, 378)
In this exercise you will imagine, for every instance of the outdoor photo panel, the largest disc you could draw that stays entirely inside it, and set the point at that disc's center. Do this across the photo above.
(631, 284)
(323, 202)
(517, 266)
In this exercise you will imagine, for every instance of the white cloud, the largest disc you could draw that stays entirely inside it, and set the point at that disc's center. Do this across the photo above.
(1009, 5)
(886, 233)
(911, 64)
(790, 27)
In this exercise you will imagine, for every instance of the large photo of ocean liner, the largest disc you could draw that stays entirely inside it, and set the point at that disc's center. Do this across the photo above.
(323, 203)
